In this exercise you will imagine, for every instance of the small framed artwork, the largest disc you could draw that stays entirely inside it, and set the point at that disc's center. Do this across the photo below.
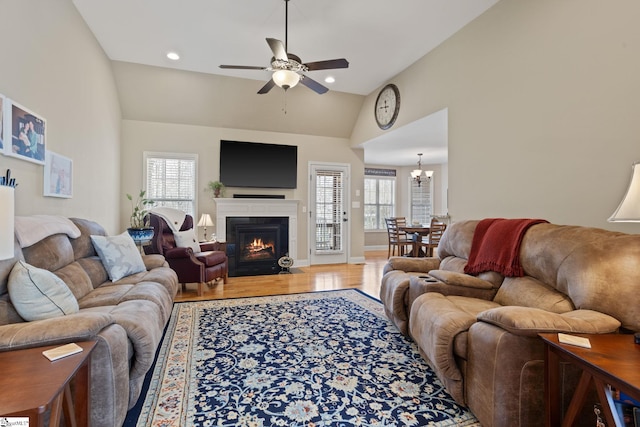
(25, 133)
(58, 175)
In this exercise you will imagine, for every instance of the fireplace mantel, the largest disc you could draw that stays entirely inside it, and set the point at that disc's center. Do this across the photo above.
(228, 207)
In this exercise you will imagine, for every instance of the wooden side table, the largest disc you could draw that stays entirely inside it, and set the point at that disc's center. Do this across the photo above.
(30, 385)
(613, 360)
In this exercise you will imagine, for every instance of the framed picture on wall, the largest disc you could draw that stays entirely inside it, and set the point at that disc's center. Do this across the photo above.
(2, 119)
(25, 133)
(58, 175)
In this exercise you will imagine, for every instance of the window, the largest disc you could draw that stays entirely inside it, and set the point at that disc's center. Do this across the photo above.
(379, 201)
(171, 180)
(421, 204)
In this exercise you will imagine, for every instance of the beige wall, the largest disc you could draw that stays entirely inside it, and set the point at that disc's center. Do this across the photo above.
(139, 136)
(165, 95)
(543, 100)
(52, 65)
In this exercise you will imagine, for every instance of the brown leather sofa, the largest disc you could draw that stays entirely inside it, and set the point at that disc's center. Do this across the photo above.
(126, 317)
(479, 334)
(205, 266)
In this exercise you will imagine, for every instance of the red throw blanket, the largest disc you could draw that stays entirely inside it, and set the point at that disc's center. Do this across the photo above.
(496, 246)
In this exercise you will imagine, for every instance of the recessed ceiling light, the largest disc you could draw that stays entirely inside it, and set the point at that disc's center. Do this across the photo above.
(330, 79)
(173, 56)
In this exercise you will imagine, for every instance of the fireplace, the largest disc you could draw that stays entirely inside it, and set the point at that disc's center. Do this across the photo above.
(254, 244)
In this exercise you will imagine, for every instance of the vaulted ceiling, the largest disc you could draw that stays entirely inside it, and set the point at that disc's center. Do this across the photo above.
(379, 38)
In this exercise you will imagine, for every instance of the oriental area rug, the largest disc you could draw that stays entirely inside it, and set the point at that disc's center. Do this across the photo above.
(315, 359)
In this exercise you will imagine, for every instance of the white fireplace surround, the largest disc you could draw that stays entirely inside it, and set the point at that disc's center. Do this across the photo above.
(258, 208)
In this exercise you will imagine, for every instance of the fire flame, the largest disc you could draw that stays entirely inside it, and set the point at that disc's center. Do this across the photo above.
(257, 245)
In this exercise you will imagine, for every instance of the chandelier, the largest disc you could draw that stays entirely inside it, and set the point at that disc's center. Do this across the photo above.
(416, 174)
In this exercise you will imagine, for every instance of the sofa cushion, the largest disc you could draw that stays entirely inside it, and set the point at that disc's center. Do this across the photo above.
(119, 255)
(39, 294)
(187, 239)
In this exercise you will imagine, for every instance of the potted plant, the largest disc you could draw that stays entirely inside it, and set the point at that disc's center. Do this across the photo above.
(216, 187)
(140, 230)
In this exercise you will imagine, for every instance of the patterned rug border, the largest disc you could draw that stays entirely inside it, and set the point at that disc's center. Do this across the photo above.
(149, 401)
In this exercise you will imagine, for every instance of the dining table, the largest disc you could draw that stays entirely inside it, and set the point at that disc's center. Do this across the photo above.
(418, 232)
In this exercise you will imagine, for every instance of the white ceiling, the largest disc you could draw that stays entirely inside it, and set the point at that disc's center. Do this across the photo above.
(379, 38)
(428, 135)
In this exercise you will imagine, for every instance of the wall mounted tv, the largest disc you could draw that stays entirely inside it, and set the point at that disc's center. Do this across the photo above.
(257, 165)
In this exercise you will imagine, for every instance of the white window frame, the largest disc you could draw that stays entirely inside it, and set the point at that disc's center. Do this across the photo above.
(377, 204)
(179, 156)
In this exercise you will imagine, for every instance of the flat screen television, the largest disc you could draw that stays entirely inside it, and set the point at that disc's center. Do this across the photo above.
(258, 165)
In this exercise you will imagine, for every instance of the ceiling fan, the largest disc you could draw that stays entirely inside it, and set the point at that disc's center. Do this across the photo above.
(288, 68)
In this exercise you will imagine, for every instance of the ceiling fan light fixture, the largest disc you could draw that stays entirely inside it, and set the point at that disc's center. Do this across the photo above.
(286, 79)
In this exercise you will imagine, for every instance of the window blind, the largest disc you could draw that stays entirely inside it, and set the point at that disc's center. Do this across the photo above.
(171, 181)
(421, 203)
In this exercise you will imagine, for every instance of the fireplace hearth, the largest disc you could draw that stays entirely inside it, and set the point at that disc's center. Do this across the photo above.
(254, 244)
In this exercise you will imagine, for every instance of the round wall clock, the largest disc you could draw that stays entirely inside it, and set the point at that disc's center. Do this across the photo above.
(387, 106)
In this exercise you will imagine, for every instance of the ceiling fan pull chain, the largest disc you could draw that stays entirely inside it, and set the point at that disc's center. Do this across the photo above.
(284, 101)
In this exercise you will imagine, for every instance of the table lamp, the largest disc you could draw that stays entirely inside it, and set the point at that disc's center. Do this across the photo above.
(205, 221)
(6, 222)
(629, 209)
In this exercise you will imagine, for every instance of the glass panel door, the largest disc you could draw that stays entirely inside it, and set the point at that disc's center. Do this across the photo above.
(328, 214)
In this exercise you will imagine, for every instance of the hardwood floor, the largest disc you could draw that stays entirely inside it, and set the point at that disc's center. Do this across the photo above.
(365, 277)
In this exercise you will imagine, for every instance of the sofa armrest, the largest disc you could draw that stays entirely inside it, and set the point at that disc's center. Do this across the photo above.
(460, 279)
(177, 252)
(58, 330)
(154, 261)
(530, 321)
(419, 265)
(454, 283)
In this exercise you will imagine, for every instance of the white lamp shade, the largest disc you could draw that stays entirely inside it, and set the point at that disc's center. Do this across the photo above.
(629, 209)
(6, 222)
(416, 173)
(428, 174)
(205, 221)
(286, 78)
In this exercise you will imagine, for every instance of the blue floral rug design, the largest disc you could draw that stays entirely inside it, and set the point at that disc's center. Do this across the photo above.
(316, 359)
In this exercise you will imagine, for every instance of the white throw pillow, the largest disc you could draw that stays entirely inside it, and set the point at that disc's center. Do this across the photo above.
(119, 255)
(39, 294)
(187, 239)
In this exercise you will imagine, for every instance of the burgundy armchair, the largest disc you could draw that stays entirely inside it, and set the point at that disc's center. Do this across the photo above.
(206, 266)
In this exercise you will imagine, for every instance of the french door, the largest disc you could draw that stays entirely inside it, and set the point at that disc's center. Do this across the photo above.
(328, 214)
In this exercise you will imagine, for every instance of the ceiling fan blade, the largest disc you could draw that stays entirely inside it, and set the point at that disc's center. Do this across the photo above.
(328, 65)
(279, 52)
(242, 67)
(313, 85)
(266, 88)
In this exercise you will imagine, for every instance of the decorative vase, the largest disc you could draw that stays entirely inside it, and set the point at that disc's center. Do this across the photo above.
(216, 193)
(139, 235)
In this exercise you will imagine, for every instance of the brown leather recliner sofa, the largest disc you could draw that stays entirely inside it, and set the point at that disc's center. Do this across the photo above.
(479, 333)
(126, 317)
(204, 266)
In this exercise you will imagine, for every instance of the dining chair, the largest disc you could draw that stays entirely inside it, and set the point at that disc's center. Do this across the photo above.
(398, 239)
(431, 243)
